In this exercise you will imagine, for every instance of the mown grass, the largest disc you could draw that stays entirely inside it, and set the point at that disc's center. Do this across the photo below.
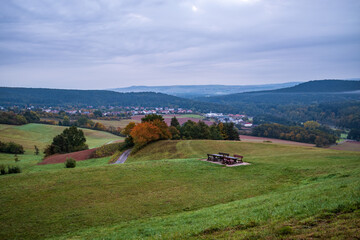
(40, 135)
(178, 198)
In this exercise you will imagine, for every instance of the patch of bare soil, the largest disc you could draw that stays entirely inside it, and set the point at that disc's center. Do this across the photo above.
(61, 158)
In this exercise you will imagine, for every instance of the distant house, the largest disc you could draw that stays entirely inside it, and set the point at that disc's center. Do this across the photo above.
(248, 125)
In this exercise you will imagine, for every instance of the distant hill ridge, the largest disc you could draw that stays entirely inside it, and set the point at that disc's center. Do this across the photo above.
(192, 91)
(321, 86)
(312, 92)
(96, 98)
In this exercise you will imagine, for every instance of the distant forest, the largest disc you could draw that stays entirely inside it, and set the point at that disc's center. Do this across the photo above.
(41, 97)
(331, 102)
(336, 103)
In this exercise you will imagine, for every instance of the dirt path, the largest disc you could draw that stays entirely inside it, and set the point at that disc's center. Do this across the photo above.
(123, 157)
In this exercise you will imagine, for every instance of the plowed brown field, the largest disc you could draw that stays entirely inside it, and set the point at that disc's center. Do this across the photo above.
(61, 158)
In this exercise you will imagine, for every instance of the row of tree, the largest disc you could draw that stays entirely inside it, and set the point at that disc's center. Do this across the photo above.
(310, 133)
(200, 130)
(19, 119)
(84, 122)
(153, 128)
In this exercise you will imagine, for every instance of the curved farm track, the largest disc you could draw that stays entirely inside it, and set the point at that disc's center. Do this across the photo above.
(61, 158)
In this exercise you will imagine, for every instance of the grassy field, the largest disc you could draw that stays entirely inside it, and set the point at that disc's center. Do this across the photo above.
(164, 191)
(40, 135)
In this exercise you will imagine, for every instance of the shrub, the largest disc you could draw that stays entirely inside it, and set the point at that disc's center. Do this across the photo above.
(13, 169)
(285, 230)
(2, 169)
(11, 147)
(70, 163)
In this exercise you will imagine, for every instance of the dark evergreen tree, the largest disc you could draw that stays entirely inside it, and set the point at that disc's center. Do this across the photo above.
(31, 116)
(215, 133)
(175, 122)
(151, 118)
(231, 132)
(97, 113)
(70, 140)
(203, 130)
(354, 134)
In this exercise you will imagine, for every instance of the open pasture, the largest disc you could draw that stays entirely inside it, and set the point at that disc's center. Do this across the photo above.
(40, 135)
(164, 191)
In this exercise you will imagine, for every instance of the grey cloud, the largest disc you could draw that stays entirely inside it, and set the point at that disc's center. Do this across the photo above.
(224, 40)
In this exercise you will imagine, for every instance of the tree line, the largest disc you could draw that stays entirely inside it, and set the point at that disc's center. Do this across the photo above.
(19, 119)
(310, 133)
(153, 128)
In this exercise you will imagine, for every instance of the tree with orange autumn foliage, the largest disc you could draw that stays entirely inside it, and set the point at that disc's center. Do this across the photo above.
(128, 128)
(164, 129)
(144, 133)
(149, 131)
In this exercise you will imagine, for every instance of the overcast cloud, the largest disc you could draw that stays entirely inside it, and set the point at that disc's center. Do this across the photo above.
(108, 43)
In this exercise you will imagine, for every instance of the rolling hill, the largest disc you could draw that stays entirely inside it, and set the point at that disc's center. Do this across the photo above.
(192, 91)
(82, 98)
(165, 192)
(305, 93)
(322, 86)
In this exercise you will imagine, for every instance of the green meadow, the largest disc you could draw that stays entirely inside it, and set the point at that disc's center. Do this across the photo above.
(164, 192)
(40, 135)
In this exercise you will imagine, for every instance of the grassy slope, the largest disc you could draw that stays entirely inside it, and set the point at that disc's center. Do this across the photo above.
(39, 134)
(178, 198)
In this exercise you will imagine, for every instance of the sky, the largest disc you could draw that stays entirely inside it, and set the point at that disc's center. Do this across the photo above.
(101, 44)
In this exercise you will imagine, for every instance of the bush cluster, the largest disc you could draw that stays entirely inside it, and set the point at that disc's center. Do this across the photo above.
(9, 169)
(19, 119)
(11, 147)
(295, 133)
(70, 140)
(70, 163)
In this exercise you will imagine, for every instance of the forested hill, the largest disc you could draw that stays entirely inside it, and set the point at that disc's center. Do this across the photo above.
(313, 92)
(329, 86)
(193, 91)
(96, 98)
